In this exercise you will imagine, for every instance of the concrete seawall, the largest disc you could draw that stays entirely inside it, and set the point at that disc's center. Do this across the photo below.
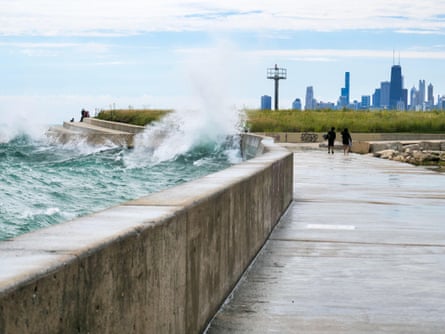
(317, 137)
(363, 142)
(159, 264)
(95, 132)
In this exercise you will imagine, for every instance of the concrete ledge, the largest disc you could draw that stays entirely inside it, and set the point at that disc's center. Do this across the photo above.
(299, 137)
(129, 128)
(160, 264)
(95, 132)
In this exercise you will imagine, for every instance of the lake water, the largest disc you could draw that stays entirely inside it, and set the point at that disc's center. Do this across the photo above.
(44, 183)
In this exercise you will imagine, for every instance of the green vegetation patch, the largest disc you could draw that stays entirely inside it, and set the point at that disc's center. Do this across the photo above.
(135, 116)
(384, 121)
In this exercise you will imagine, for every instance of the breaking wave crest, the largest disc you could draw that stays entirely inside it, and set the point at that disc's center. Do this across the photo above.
(45, 183)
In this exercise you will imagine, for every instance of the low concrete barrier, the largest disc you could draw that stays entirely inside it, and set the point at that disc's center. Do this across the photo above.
(252, 146)
(160, 264)
(124, 127)
(95, 132)
(317, 137)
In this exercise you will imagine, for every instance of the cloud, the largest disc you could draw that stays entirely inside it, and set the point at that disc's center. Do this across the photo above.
(336, 54)
(111, 17)
(55, 49)
(420, 32)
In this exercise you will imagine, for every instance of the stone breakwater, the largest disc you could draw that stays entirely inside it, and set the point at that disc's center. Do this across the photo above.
(431, 153)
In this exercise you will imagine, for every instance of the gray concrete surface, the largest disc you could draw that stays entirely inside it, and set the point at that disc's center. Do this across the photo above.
(163, 263)
(95, 132)
(360, 250)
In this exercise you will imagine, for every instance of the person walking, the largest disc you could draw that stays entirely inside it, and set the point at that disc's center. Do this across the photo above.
(331, 140)
(346, 140)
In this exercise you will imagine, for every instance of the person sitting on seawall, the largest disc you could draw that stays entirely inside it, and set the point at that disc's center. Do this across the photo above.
(84, 113)
(347, 140)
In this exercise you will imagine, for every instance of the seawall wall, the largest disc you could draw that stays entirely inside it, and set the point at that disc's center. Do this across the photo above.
(317, 137)
(159, 264)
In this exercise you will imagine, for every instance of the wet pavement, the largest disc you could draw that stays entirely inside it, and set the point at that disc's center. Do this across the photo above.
(361, 249)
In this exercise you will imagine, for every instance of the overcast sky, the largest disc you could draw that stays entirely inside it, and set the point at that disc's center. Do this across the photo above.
(57, 57)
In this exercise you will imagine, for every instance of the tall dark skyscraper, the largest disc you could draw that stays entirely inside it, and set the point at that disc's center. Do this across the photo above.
(396, 86)
(398, 97)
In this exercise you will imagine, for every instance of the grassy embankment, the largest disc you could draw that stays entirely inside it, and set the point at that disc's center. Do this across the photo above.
(356, 121)
(134, 116)
(311, 121)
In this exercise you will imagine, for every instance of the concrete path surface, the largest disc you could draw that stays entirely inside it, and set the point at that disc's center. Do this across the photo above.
(360, 250)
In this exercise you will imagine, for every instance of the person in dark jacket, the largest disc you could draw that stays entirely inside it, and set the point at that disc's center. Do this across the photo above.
(331, 140)
(346, 140)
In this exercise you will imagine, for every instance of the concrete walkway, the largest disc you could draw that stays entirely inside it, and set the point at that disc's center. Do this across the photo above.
(360, 250)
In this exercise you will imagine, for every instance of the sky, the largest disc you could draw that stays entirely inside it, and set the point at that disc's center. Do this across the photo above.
(57, 57)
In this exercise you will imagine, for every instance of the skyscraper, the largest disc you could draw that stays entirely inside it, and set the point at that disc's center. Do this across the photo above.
(296, 105)
(344, 97)
(384, 94)
(266, 102)
(396, 87)
(398, 96)
(402, 105)
(309, 103)
(421, 97)
(376, 98)
(415, 98)
(365, 102)
(430, 96)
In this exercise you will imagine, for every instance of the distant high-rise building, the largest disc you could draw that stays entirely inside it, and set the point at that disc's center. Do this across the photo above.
(430, 96)
(324, 105)
(365, 102)
(441, 102)
(404, 103)
(266, 102)
(296, 105)
(309, 103)
(376, 98)
(385, 87)
(421, 97)
(396, 87)
(344, 94)
(414, 98)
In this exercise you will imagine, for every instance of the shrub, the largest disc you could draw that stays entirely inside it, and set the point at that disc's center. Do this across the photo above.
(137, 116)
(357, 121)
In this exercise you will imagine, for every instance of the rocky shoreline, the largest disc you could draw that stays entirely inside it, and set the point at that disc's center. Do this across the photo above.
(430, 154)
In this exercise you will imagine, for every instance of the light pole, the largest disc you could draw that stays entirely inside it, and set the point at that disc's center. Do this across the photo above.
(276, 74)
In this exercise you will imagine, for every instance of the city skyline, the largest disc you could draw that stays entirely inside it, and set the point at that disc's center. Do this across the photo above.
(60, 57)
(392, 95)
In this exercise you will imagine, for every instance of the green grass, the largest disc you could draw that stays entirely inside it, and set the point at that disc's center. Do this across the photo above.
(310, 121)
(357, 121)
(135, 116)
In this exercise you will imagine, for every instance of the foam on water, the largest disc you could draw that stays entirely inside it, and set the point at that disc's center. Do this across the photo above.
(178, 133)
(44, 183)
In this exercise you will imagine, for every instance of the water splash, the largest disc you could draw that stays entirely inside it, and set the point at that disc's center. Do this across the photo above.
(180, 132)
(43, 184)
(211, 122)
(46, 183)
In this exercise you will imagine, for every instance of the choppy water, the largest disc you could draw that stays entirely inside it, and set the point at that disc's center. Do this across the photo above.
(43, 183)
